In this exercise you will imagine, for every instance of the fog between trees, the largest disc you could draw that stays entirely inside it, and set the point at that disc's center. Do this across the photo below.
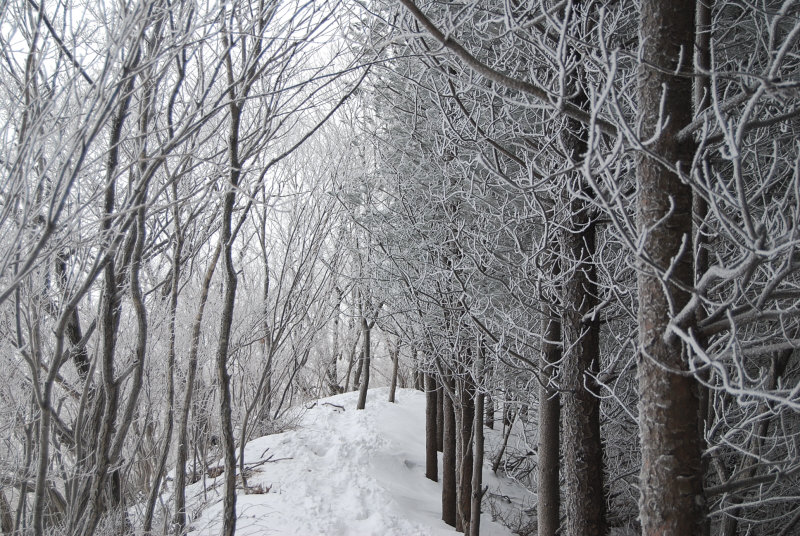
(576, 221)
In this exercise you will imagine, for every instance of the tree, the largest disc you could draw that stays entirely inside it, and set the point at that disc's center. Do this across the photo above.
(672, 500)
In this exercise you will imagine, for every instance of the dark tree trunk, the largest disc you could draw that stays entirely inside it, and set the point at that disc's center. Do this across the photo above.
(671, 501)
(431, 456)
(549, 419)
(583, 450)
(362, 390)
(465, 456)
(226, 317)
(448, 459)
(395, 353)
(702, 99)
(508, 424)
(331, 372)
(440, 394)
(6, 520)
(477, 467)
(508, 414)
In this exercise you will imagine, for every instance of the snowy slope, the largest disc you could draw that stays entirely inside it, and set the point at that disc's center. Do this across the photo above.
(340, 472)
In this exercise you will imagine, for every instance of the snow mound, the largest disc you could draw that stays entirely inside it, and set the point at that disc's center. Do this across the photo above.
(340, 472)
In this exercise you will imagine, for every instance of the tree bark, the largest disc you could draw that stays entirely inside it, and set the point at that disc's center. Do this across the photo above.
(179, 519)
(671, 501)
(583, 449)
(395, 353)
(440, 416)
(702, 99)
(465, 456)
(431, 456)
(584, 497)
(448, 458)
(549, 491)
(477, 454)
(6, 520)
(229, 299)
(362, 390)
(331, 372)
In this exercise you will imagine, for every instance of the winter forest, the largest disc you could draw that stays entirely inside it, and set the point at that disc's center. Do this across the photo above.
(572, 227)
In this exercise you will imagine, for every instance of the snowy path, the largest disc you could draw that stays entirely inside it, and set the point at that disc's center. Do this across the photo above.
(341, 472)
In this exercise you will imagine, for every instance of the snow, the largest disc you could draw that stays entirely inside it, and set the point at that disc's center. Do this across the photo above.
(339, 472)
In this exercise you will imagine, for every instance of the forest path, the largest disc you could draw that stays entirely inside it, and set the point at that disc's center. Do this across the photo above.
(340, 472)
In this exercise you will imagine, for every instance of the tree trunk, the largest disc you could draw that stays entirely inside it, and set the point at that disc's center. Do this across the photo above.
(477, 468)
(182, 451)
(508, 424)
(226, 318)
(6, 520)
(440, 394)
(671, 501)
(548, 464)
(465, 456)
(477, 442)
(362, 390)
(431, 456)
(173, 308)
(331, 372)
(351, 362)
(489, 418)
(359, 370)
(395, 353)
(448, 458)
(702, 99)
(583, 450)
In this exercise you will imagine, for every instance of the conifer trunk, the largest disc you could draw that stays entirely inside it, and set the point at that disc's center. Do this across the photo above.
(465, 456)
(549, 491)
(431, 457)
(671, 501)
(448, 459)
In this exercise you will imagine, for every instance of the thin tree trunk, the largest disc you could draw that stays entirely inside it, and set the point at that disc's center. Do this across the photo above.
(477, 467)
(169, 417)
(489, 418)
(179, 520)
(431, 456)
(549, 490)
(226, 318)
(508, 424)
(671, 500)
(465, 456)
(223, 378)
(747, 468)
(351, 362)
(395, 366)
(439, 416)
(173, 308)
(448, 459)
(359, 370)
(331, 373)
(362, 390)
(702, 99)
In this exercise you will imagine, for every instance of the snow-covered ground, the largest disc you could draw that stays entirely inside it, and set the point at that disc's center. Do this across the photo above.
(340, 472)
